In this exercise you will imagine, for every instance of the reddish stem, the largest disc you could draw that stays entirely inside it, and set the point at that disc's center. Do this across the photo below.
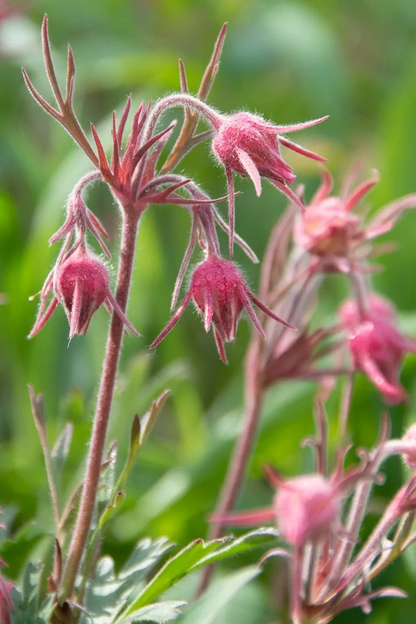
(105, 397)
(242, 451)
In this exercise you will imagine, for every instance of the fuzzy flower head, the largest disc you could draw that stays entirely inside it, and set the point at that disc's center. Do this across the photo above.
(80, 283)
(306, 508)
(331, 231)
(248, 145)
(376, 345)
(220, 295)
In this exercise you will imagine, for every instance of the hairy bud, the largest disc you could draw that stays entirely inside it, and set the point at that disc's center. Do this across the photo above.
(220, 294)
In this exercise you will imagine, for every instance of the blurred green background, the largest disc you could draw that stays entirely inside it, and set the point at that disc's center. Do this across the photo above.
(286, 60)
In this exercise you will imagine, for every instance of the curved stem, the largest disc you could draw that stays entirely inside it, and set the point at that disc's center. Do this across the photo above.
(171, 101)
(242, 451)
(102, 414)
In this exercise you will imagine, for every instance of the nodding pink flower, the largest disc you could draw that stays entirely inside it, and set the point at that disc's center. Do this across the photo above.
(250, 146)
(220, 294)
(330, 230)
(376, 345)
(81, 285)
(327, 227)
(304, 508)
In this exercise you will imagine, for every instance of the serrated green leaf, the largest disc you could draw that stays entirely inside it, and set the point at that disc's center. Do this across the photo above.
(159, 612)
(246, 542)
(175, 569)
(207, 609)
(106, 591)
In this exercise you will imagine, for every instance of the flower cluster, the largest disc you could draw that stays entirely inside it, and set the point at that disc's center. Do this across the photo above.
(317, 515)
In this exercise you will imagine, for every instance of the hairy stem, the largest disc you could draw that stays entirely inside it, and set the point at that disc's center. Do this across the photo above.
(241, 454)
(102, 414)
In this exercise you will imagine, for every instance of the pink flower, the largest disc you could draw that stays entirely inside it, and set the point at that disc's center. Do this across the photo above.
(81, 285)
(220, 294)
(376, 346)
(409, 439)
(306, 508)
(330, 230)
(250, 146)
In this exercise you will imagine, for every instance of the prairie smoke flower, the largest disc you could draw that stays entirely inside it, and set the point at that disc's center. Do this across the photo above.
(81, 285)
(220, 294)
(330, 230)
(250, 146)
(376, 345)
(304, 508)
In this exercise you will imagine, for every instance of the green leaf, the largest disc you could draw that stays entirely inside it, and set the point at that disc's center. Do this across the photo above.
(159, 612)
(207, 609)
(175, 569)
(106, 591)
(246, 542)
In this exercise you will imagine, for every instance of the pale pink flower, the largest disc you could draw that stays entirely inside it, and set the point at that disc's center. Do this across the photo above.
(376, 345)
(330, 230)
(306, 508)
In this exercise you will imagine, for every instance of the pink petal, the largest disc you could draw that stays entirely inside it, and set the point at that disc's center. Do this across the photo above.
(301, 150)
(250, 168)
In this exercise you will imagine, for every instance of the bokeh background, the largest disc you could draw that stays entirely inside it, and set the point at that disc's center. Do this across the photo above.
(288, 60)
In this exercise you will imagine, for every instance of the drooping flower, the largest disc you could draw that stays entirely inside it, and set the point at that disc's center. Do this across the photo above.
(80, 283)
(250, 146)
(330, 230)
(304, 508)
(220, 294)
(376, 345)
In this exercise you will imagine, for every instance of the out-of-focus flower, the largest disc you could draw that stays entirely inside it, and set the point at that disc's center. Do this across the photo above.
(81, 285)
(306, 508)
(376, 345)
(250, 146)
(6, 602)
(409, 455)
(220, 294)
(330, 230)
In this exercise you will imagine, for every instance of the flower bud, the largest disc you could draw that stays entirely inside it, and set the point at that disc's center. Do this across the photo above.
(306, 508)
(220, 294)
(249, 145)
(81, 286)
